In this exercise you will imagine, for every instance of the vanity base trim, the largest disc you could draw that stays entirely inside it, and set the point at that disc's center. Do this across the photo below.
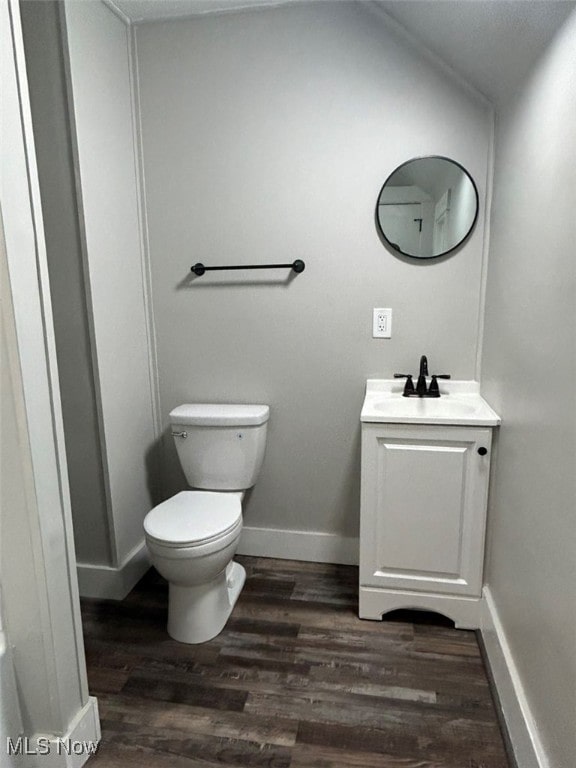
(465, 612)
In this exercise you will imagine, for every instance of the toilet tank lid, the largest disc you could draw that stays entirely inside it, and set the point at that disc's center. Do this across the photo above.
(220, 414)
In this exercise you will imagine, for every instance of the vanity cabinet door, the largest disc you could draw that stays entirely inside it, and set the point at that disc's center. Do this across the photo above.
(423, 507)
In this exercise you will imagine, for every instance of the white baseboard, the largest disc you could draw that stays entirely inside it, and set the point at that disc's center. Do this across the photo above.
(311, 546)
(522, 731)
(72, 749)
(110, 583)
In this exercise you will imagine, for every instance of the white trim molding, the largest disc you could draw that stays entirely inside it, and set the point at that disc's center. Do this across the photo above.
(520, 724)
(109, 583)
(73, 749)
(52, 681)
(310, 546)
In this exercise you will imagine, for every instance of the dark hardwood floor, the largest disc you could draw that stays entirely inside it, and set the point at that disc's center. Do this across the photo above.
(295, 680)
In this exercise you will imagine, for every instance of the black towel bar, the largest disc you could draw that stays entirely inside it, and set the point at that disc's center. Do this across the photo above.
(297, 266)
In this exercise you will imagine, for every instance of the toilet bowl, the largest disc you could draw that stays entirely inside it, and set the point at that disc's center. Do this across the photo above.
(192, 537)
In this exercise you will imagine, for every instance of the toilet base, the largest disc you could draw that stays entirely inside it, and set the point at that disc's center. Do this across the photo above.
(197, 614)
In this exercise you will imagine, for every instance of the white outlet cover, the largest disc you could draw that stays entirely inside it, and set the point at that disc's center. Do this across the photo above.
(382, 323)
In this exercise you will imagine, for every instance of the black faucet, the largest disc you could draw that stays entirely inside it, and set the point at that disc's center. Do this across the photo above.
(422, 389)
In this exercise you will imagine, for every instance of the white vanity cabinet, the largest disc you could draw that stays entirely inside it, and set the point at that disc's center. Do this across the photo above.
(423, 518)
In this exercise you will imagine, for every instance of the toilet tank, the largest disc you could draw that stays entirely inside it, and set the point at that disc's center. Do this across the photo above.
(220, 446)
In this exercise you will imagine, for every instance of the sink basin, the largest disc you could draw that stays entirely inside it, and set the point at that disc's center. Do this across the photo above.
(460, 403)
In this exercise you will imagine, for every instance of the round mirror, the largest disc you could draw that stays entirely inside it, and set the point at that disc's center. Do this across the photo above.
(427, 207)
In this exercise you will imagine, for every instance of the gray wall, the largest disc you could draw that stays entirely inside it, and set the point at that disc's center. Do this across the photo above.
(103, 110)
(266, 137)
(85, 131)
(529, 375)
(57, 187)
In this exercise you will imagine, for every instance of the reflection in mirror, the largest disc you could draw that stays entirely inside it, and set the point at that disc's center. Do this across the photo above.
(427, 207)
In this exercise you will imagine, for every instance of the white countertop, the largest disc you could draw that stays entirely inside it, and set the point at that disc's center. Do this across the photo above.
(460, 403)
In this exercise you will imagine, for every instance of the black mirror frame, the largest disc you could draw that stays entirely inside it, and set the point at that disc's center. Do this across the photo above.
(392, 245)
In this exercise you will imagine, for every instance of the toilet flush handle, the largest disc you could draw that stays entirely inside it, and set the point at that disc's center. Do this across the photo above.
(184, 435)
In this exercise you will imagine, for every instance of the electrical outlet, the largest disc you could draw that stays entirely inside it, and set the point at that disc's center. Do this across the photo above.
(382, 324)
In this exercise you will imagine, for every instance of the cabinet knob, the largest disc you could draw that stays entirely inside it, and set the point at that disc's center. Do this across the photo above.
(482, 451)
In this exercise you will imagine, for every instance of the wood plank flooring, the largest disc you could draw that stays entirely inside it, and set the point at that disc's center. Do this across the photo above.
(295, 680)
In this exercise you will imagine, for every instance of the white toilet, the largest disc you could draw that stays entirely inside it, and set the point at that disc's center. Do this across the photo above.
(192, 537)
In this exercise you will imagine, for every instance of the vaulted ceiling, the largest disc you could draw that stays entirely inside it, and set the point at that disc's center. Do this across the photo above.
(490, 43)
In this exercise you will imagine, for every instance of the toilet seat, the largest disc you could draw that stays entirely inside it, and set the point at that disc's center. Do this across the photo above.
(194, 518)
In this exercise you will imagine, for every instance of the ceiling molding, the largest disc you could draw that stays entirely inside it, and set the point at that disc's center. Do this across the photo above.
(117, 12)
(150, 11)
